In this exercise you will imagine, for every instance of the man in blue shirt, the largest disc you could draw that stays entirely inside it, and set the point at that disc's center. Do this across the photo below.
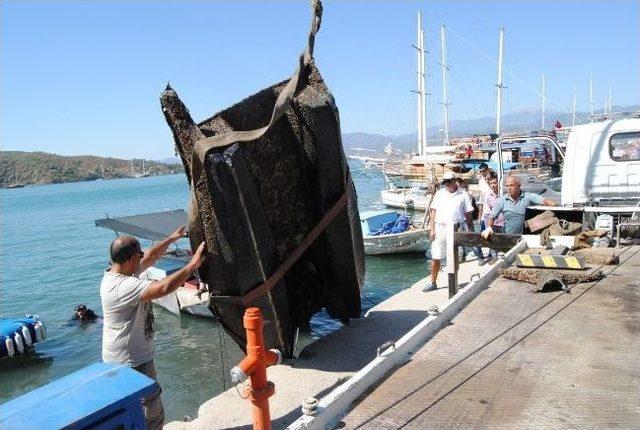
(513, 206)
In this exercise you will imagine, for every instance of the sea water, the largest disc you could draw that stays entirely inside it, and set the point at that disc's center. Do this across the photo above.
(52, 257)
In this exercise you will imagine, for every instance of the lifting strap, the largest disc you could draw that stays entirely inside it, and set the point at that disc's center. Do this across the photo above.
(203, 146)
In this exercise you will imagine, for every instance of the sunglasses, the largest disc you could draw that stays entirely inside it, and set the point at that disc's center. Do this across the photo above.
(140, 254)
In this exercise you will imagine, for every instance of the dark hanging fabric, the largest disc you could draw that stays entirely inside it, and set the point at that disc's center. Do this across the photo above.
(263, 173)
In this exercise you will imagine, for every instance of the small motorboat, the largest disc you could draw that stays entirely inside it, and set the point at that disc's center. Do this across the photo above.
(390, 232)
(189, 298)
(18, 335)
(192, 297)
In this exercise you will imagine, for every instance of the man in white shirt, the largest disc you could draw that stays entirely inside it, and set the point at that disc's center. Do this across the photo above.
(127, 334)
(483, 180)
(449, 206)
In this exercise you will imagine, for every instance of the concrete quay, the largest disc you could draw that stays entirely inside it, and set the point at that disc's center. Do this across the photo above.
(329, 362)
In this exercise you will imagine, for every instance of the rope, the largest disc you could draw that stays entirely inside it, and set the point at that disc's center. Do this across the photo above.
(507, 70)
(244, 386)
(369, 301)
(222, 348)
(316, 20)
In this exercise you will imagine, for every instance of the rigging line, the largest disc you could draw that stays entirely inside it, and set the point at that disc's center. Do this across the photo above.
(505, 69)
(393, 109)
(460, 83)
(568, 110)
(514, 59)
(222, 348)
(387, 88)
(368, 301)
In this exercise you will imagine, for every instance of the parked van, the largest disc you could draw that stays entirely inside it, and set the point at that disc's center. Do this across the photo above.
(602, 164)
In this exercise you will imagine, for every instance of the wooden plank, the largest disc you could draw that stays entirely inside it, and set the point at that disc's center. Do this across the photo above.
(452, 260)
(497, 241)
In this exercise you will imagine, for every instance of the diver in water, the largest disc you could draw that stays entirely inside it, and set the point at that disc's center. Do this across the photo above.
(84, 315)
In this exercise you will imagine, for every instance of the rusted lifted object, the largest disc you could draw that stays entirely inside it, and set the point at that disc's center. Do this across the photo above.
(272, 197)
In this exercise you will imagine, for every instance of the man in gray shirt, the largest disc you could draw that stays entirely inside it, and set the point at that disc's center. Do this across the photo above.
(513, 205)
(127, 334)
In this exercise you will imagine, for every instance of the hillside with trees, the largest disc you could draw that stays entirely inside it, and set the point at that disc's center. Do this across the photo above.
(27, 168)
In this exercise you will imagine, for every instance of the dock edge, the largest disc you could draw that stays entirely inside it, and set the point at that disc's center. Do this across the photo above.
(332, 407)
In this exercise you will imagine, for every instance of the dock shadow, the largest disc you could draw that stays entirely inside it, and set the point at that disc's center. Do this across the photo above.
(354, 345)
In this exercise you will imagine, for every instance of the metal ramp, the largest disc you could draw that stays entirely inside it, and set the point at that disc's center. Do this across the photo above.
(513, 359)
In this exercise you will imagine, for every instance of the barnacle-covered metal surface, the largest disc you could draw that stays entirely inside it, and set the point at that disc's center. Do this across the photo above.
(254, 201)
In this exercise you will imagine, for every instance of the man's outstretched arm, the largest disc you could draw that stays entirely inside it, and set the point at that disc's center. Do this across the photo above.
(154, 253)
(168, 285)
(548, 202)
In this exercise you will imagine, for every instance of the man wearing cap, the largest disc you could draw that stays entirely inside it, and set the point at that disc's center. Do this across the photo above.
(449, 206)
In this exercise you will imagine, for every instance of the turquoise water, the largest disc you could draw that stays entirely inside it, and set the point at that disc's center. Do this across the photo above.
(52, 257)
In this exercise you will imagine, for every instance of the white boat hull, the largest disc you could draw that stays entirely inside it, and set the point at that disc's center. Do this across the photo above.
(169, 302)
(412, 241)
(186, 300)
(404, 200)
(192, 303)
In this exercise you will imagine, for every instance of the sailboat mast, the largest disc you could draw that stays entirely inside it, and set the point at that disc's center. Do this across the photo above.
(499, 84)
(423, 64)
(544, 98)
(445, 103)
(420, 82)
(573, 112)
(591, 96)
(609, 101)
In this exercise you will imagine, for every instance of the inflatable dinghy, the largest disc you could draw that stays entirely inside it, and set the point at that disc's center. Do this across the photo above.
(18, 335)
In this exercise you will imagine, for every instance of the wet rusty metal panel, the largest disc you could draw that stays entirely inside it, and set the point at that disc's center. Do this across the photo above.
(513, 359)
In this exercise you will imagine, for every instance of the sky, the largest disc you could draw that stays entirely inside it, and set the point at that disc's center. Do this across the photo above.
(84, 77)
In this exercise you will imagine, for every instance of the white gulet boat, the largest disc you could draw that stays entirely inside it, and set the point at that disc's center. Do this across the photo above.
(413, 240)
(188, 298)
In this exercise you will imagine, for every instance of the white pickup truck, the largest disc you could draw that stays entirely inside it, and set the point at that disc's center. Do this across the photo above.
(600, 171)
(602, 164)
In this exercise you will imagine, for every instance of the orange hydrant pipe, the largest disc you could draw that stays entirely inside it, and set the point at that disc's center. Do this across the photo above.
(254, 366)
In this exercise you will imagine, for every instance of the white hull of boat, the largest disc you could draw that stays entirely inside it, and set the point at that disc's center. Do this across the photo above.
(169, 302)
(412, 241)
(186, 300)
(404, 199)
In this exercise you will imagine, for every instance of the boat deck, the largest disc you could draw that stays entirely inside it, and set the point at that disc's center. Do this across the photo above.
(516, 359)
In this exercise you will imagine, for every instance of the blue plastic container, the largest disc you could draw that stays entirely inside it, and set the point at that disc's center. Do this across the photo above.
(100, 396)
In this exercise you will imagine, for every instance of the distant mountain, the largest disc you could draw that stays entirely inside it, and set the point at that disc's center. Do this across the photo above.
(519, 121)
(26, 168)
(18, 167)
(170, 160)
